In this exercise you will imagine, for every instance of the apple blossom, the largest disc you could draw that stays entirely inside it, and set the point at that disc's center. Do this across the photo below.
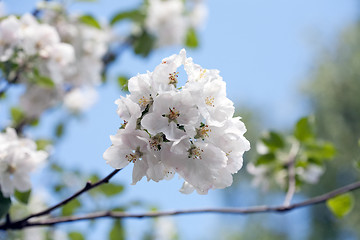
(18, 157)
(170, 20)
(169, 129)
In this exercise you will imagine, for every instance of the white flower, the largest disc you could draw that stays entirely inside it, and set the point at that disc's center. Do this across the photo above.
(141, 90)
(37, 99)
(128, 111)
(170, 20)
(200, 165)
(129, 147)
(171, 111)
(9, 30)
(166, 20)
(260, 175)
(80, 99)
(310, 173)
(18, 157)
(209, 91)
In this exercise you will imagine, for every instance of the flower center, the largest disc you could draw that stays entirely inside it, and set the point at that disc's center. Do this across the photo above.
(155, 143)
(123, 125)
(133, 157)
(172, 115)
(195, 153)
(173, 78)
(210, 101)
(203, 131)
(11, 169)
(202, 73)
(143, 101)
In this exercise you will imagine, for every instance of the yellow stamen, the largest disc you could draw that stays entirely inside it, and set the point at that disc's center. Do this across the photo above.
(202, 73)
(210, 101)
(173, 78)
(143, 101)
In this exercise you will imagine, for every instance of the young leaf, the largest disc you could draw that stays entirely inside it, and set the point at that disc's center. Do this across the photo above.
(44, 81)
(320, 150)
(17, 115)
(90, 21)
(43, 143)
(59, 130)
(123, 82)
(4, 205)
(71, 207)
(117, 232)
(22, 197)
(273, 140)
(134, 15)
(143, 44)
(76, 236)
(304, 129)
(111, 189)
(265, 158)
(191, 38)
(341, 205)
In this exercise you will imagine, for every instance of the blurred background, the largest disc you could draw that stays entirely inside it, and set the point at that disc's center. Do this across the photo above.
(281, 60)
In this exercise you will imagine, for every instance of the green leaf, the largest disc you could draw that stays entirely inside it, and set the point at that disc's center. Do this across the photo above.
(117, 231)
(4, 205)
(76, 236)
(273, 140)
(17, 115)
(134, 15)
(341, 205)
(34, 122)
(357, 165)
(123, 83)
(43, 143)
(191, 38)
(2, 95)
(111, 189)
(143, 44)
(71, 207)
(57, 168)
(320, 151)
(304, 129)
(44, 81)
(266, 159)
(59, 130)
(23, 197)
(90, 21)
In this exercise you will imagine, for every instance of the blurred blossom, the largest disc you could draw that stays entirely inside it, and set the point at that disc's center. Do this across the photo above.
(170, 20)
(18, 157)
(80, 99)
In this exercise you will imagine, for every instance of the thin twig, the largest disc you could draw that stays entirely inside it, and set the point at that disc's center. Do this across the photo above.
(291, 173)
(86, 188)
(249, 210)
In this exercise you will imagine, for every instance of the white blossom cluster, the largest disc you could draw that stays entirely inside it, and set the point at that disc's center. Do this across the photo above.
(90, 45)
(62, 49)
(188, 130)
(18, 157)
(170, 20)
(39, 53)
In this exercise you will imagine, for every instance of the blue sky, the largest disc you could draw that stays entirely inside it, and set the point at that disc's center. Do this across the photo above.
(263, 49)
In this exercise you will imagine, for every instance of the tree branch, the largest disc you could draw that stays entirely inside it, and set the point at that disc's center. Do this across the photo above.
(249, 210)
(291, 173)
(24, 222)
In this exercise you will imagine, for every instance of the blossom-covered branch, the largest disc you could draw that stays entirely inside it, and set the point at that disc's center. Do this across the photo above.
(249, 210)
